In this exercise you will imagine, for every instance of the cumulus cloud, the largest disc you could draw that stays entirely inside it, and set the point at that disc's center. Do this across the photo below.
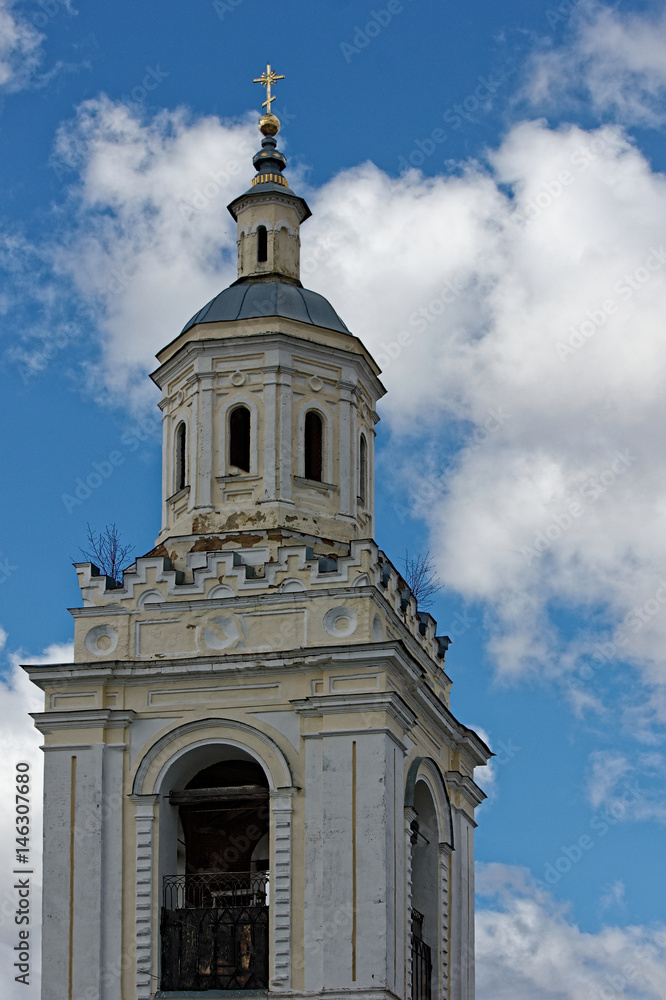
(152, 239)
(20, 741)
(526, 948)
(516, 308)
(519, 307)
(613, 61)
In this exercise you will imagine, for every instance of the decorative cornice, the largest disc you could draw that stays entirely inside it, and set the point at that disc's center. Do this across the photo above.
(338, 704)
(466, 786)
(82, 718)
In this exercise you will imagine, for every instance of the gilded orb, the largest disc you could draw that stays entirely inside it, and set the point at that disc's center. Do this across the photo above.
(269, 124)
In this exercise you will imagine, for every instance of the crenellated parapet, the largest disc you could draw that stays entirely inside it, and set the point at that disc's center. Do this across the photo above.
(275, 594)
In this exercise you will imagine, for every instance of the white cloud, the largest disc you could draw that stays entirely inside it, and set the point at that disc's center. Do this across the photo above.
(549, 426)
(153, 240)
(613, 895)
(613, 61)
(20, 741)
(518, 303)
(627, 789)
(22, 41)
(526, 948)
(20, 47)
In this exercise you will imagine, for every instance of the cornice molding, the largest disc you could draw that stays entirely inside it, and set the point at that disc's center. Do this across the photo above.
(83, 718)
(466, 786)
(339, 704)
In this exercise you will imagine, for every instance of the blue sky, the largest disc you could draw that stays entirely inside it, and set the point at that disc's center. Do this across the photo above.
(487, 180)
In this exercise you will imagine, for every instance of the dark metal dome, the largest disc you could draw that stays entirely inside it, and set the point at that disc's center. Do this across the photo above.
(254, 299)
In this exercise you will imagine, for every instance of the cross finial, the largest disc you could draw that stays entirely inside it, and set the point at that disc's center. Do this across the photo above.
(267, 79)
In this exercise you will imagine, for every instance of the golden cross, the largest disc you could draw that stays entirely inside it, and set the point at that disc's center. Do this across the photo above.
(267, 79)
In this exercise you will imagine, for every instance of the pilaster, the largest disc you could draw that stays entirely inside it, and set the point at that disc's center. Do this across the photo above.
(462, 907)
(144, 806)
(281, 909)
(204, 468)
(270, 485)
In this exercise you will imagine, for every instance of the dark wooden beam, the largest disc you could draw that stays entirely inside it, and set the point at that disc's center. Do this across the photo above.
(235, 793)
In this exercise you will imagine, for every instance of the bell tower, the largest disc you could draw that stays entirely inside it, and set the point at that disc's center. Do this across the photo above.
(253, 778)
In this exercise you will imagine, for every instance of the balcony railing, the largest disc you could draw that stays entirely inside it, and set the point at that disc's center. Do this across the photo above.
(215, 931)
(209, 890)
(421, 963)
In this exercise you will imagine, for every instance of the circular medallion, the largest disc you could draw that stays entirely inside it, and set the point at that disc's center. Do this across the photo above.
(101, 640)
(219, 633)
(340, 622)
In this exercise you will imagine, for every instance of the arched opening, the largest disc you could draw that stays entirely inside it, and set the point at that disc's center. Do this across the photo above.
(262, 244)
(215, 909)
(425, 894)
(363, 470)
(239, 438)
(181, 456)
(314, 446)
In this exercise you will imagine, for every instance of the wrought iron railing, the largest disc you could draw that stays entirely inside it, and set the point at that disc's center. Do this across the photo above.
(212, 890)
(421, 969)
(214, 931)
(417, 923)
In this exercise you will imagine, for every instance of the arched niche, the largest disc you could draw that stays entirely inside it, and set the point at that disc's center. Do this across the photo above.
(175, 765)
(430, 843)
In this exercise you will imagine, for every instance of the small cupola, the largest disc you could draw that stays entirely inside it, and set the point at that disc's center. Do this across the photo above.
(269, 214)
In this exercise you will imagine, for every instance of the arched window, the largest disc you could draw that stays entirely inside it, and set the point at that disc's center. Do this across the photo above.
(181, 456)
(239, 438)
(262, 244)
(363, 470)
(314, 446)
